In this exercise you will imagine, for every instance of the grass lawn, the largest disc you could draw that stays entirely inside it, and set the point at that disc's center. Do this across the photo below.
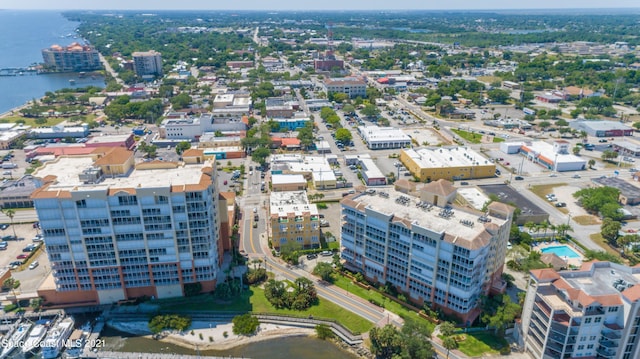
(479, 343)
(345, 283)
(545, 189)
(586, 220)
(599, 240)
(51, 121)
(498, 139)
(255, 301)
(471, 137)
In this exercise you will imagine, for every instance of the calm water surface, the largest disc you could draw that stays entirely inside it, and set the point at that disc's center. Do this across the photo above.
(288, 348)
(23, 35)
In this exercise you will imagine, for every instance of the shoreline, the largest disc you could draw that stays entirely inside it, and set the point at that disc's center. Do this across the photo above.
(211, 336)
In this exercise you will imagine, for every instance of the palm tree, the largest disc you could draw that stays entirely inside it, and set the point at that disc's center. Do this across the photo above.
(13, 284)
(10, 212)
(545, 226)
(529, 225)
(563, 228)
(553, 229)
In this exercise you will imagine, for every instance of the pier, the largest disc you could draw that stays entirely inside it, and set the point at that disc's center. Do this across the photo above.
(19, 71)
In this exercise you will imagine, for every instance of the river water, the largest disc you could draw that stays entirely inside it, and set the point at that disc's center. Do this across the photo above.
(23, 35)
(288, 348)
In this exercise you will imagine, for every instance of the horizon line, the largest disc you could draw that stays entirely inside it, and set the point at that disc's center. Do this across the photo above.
(316, 10)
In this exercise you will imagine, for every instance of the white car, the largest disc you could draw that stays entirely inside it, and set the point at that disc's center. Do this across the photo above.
(34, 265)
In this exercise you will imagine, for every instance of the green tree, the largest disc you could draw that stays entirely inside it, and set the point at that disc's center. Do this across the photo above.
(504, 314)
(370, 111)
(343, 135)
(323, 332)
(449, 343)
(447, 329)
(348, 109)
(386, 342)
(10, 212)
(260, 155)
(12, 284)
(610, 229)
(498, 95)
(182, 146)
(592, 163)
(593, 199)
(324, 271)
(245, 324)
(36, 303)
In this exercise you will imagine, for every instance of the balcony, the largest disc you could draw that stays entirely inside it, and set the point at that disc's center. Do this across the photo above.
(594, 311)
(608, 344)
(610, 335)
(606, 352)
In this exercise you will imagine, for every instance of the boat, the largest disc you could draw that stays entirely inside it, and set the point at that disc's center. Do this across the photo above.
(72, 82)
(15, 340)
(35, 336)
(75, 344)
(55, 340)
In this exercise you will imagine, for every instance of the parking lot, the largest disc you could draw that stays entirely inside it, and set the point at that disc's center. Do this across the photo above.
(29, 279)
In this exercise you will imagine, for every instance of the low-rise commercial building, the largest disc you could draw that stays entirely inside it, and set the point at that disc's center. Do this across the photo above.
(446, 257)
(380, 138)
(599, 128)
(16, 193)
(450, 163)
(629, 193)
(59, 131)
(291, 124)
(351, 86)
(180, 126)
(371, 174)
(279, 107)
(314, 168)
(124, 141)
(294, 221)
(592, 312)
(285, 183)
(555, 157)
(627, 148)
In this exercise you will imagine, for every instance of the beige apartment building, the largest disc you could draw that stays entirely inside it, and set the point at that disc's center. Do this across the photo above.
(293, 220)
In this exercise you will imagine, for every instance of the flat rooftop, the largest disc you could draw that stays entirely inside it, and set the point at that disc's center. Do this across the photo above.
(508, 194)
(439, 157)
(381, 134)
(109, 138)
(287, 179)
(68, 169)
(546, 150)
(281, 204)
(600, 280)
(388, 202)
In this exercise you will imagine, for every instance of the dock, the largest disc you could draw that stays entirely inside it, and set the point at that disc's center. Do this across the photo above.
(18, 71)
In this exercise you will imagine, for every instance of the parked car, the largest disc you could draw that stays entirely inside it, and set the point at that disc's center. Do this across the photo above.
(3, 245)
(576, 176)
(519, 178)
(22, 256)
(34, 265)
(312, 256)
(4, 226)
(326, 253)
(561, 204)
(464, 183)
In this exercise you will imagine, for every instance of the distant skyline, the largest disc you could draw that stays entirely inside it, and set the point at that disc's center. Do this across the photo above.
(281, 5)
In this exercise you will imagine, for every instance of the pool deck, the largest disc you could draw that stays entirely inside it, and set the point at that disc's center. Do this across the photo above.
(570, 261)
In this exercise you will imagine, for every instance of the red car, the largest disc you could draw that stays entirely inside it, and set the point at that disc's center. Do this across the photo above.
(23, 256)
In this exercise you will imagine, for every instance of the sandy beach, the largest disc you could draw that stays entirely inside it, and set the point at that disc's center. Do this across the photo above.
(213, 334)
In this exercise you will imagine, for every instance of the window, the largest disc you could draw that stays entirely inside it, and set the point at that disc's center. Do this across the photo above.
(597, 320)
(613, 309)
(587, 321)
(583, 338)
(593, 337)
(127, 200)
(590, 346)
(580, 347)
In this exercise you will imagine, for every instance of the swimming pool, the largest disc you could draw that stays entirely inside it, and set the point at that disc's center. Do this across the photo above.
(561, 251)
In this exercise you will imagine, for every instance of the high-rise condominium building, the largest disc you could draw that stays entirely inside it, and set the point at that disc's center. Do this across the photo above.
(116, 230)
(436, 254)
(74, 57)
(593, 312)
(147, 63)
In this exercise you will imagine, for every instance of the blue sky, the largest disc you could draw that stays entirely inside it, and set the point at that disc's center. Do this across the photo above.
(310, 5)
